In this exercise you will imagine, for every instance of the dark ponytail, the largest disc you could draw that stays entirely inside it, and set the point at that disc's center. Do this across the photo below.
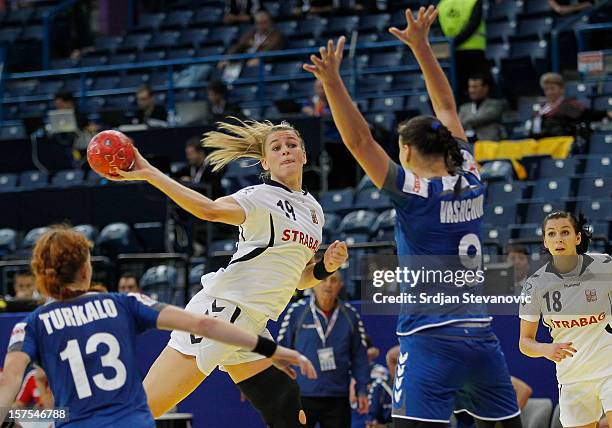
(581, 226)
(431, 138)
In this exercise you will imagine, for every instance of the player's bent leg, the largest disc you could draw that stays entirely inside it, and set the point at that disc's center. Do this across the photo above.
(280, 405)
(185, 376)
(243, 371)
(608, 419)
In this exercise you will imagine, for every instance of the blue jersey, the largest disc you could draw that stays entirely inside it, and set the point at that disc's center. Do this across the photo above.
(86, 346)
(438, 226)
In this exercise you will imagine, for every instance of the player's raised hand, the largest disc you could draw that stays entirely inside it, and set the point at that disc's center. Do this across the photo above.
(327, 67)
(335, 256)
(417, 30)
(141, 170)
(558, 351)
(284, 358)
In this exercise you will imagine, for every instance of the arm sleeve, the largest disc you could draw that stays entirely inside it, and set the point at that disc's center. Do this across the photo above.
(471, 26)
(246, 199)
(402, 185)
(359, 357)
(529, 308)
(144, 310)
(374, 412)
(286, 333)
(23, 339)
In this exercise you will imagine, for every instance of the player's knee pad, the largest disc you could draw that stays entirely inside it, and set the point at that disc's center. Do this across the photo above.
(277, 397)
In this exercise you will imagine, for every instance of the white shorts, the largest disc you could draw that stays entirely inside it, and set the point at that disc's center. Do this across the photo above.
(210, 354)
(583, 403)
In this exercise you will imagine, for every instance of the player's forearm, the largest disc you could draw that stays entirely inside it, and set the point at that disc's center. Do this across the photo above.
(307, 280)
(530, 347)
(438, 87)
(9, 387)
(352, 126)
(188, 199)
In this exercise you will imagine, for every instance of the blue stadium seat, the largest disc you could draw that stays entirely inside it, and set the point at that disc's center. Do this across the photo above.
(387, 104)
(539, 27)
(161, 283)
(532, 49)
(48, 87)
(90, 232)
(106, 82)
(10, 35)
(330, 228)
(178, 19)
(504, 192)
(553, 168)
(208, 15)
(287, 28)
(595, 210)
(94, 60)
(20, 16)
(65, 63)
(579, 89)
(117, 238)
(133, 80)
(210, 50)
(69, 177)
(150, 21)
(150, 56)
(254, 113)
(599, 166)
(33, 180)
(301, 88)
(535, 212)
(288, 68)
(311, 28)
(340, 25)
(13, 132)
(385, 59)
(226, 245)
(195, 276)
(375, 84)
(408, 81)
(165, 39)
(33, 109)
(224, 35)
(192, 37)
(595, 188)
(385, 120)
(527, 231)
(501, 30)
(8, 241)
(354, 238)
(253, 72)
(536, 7)
(32, 32)
(606, 88)
(8, 182)
(336, 201)
(180, 53)
(371, 199)
(603, 103)
(385, 222)
(378, 22)
(420, 103)
(497, 170)
(240, 174)
(302, 43)
(547, 189)
(135, 42)
(360, 221)
(29, 240)
(244, 93)
(601, 143)
(498, 214)
(499, 235)
(600, 228)
(122, 58)
(107, 43)
(498, 51)
(507, 9)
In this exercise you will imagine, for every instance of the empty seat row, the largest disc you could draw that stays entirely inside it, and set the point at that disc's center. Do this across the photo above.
(29, 180)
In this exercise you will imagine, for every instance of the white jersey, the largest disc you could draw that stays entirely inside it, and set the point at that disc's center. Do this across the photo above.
(576, 307)
(280, 235)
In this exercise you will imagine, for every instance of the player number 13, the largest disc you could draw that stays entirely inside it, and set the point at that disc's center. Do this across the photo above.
(72, 353)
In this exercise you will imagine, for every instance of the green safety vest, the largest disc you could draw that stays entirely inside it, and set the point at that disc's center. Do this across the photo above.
(454, 15)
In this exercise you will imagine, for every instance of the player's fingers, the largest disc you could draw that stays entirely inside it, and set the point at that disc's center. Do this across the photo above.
(330, 47)
(567, 354)
(310, 68)
(316, 60)
(433, 16)
(409, 17)
(323, 53)
(340, 46)
(572, 349)
(421, 13)
(290, 372)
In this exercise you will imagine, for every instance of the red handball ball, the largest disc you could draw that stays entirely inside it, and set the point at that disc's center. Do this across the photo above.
(110, 150)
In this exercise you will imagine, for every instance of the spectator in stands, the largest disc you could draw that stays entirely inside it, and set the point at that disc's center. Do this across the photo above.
(261, 38)
(314, 7)
(559, 116)
(220, 107)
(519, 257)
(128, 283)
(198, 171)
(481, 117)
(463, 21)
(337, 347)
(380, 394)
(23, 284)
(239, 11)
(65, 101)
(567, 7)
(317, 105)
(149, 113)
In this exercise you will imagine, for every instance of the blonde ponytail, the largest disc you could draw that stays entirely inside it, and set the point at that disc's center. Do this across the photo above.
(246, 139)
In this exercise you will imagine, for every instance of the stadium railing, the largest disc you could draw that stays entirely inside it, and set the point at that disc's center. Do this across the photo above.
(353, 72)
(565, 25)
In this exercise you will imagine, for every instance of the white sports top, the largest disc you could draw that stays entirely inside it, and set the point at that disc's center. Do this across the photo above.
(576, 307)
(281, 233)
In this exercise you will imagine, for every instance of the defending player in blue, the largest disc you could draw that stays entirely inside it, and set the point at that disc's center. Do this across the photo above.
(449, 360)
(85, 341)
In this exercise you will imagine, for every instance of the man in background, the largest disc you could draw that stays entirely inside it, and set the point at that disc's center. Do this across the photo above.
(481, 117)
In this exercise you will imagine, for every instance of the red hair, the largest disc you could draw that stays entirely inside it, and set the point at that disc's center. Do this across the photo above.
(56, 259)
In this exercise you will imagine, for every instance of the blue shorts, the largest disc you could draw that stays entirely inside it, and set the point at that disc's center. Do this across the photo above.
(438, 374)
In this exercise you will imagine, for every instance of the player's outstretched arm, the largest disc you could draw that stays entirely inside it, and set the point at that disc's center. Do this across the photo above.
(173, 318)
(11, 377)
(352, 126)
(416, 36)
(534, 349)
(223, 210)
(334, 257)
